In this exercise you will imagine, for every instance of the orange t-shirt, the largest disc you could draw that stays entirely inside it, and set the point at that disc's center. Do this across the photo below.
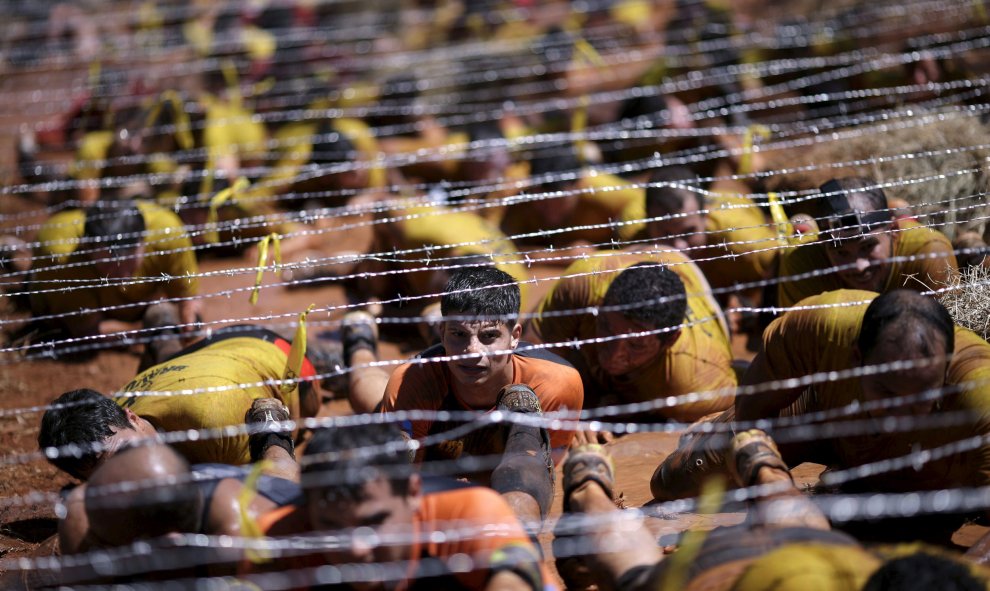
(427, 386)
(475, 522)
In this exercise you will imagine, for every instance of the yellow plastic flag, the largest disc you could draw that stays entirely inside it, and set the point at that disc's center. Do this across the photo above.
(219, 199)
(249, 525)
(273, 240)
(785, 230)
(746, 158)
(297, 354)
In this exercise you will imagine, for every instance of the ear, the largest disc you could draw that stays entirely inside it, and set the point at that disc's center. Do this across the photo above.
(132, 418)
(516, 334)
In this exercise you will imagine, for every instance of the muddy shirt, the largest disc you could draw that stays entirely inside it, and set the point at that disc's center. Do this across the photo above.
(700, 360)
(804, 342)
(910, 240)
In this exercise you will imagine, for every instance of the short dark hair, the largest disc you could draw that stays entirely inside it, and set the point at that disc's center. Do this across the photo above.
(906, 307)
(852, 195)
(486, 292)
(564, 159)
(339, 461)
(671, 199)
(331, 146)
(923, 570)
(117, 224)
(654, 294)
(643, 111)
(84, 418)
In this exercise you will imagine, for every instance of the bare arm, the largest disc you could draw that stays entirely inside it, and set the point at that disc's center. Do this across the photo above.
(763, 404)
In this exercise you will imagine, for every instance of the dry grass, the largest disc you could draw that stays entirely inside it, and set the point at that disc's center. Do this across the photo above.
(968, 299)
(952, 131)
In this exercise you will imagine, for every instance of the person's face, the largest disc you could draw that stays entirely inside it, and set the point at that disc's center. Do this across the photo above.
(869, 259)
(901, 383)
(624, 355)
(117, 263)
(682, 232)
(377, 526)
(479, 340)
(554, 211)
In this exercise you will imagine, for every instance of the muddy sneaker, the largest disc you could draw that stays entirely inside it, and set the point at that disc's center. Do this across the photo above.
(750, 451)
(268, 413)
(587, 463)
(163, 319)
(358, 331)
(520, 398)
(700, 455)
(327, 355)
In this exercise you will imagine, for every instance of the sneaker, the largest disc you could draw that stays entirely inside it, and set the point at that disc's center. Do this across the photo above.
(520, 398)
(358, 331)
(750, 451)
(269, 413)
(588, 463)
(163, 319)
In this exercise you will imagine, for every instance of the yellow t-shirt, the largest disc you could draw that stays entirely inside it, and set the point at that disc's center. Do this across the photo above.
(448, 230)
(231, 129)
(910, 239)
(700, 359)
(803, 342)
(809, 567)
(238, 364)
(735, 227)
(167, 253)
(602, 199)
(92, 151)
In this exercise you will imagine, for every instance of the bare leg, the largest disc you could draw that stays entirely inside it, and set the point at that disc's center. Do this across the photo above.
(281, 464)
(367, 384)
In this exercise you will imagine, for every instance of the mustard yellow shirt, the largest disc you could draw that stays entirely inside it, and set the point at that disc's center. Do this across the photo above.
(741, 243)
(700, 359)
(167, 252)
(910, 239)
(236, 364)
(803, 342)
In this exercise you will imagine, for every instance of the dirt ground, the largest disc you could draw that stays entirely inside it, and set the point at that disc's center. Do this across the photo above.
(25, 529)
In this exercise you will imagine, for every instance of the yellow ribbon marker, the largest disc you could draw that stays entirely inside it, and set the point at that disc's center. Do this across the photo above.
(656, 73)
(785, 231)
(587, 55)
(746, 158)
(219, 199)
(249, 525)
(260, 44)
(273, 240)
(297, 354)
(229, 71)
(981, 11)
(183, 129)
(94, 74)
(709, 502)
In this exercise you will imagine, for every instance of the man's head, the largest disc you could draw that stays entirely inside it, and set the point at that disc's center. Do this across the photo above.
(490, 156)
(649, 297)
(667, 195)
(87, 418)
(855, 221)
(548, 170)
(924, 570)
(335, 153)
(142, 492)
(358, 482)
(903, 325)
(480, 306)
(114, 233)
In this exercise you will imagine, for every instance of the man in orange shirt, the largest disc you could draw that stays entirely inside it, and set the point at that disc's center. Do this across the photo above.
(480, 366)
(390, 528)
(859, 238)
